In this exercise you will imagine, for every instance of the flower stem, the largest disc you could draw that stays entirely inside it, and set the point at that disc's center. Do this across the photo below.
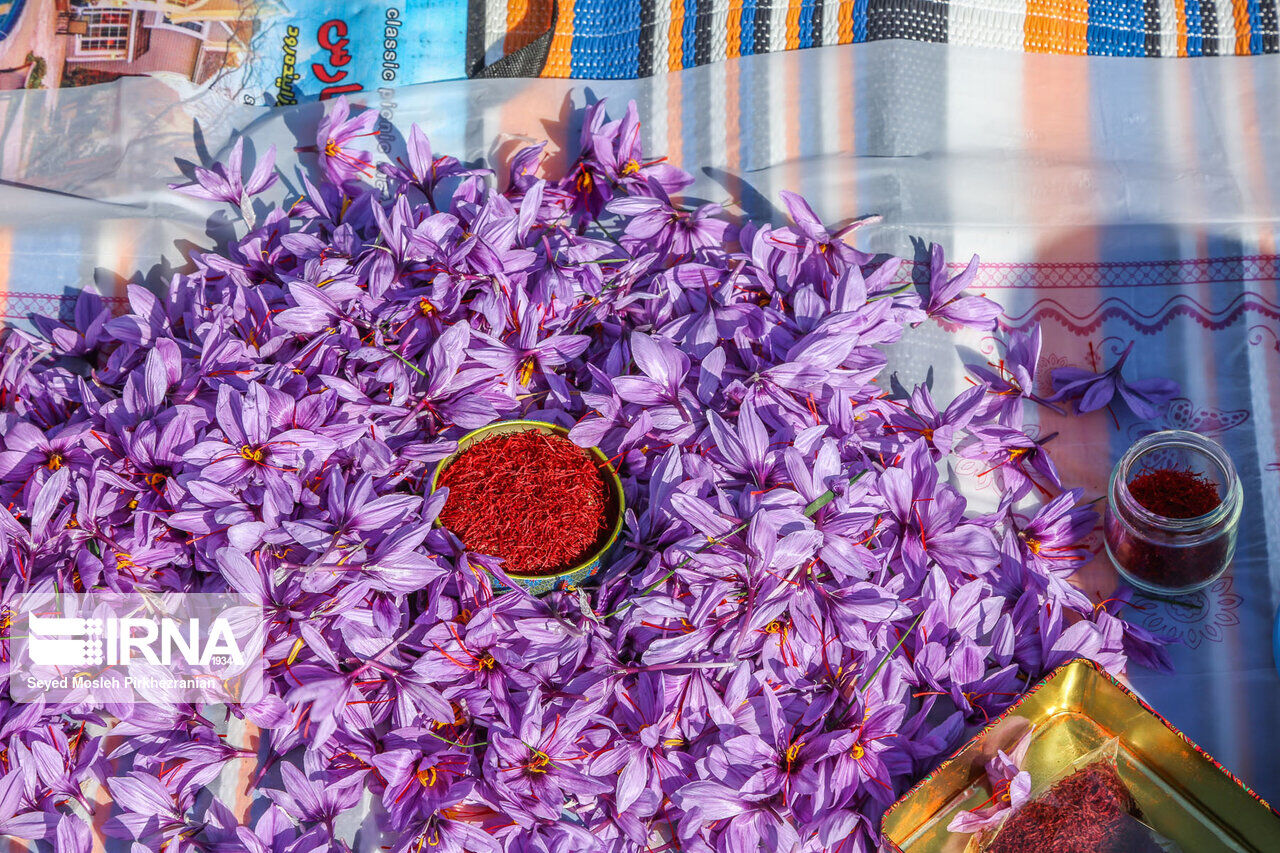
(889, 653)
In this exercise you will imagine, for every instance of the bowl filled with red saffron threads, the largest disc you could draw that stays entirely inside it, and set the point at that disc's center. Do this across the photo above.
(523, 492)
(1173, 509)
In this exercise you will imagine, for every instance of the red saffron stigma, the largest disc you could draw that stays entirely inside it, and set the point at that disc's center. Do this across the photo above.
(535, 500)
(1090, 811)
(1174, 492)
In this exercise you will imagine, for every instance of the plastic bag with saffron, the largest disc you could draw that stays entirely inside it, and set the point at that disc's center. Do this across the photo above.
(1087, 808)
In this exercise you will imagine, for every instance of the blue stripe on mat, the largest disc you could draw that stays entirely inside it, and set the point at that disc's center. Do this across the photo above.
(747, 28)
(806, 23)
(606, 42)
(689, 33)
(1195, 28)
(860, 20)
(1255, 26)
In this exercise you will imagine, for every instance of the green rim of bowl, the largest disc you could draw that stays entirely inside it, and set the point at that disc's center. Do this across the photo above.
(612, 481)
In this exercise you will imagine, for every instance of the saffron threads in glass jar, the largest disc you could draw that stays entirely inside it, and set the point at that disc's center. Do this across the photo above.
(1090, 811)
(1175, 492)
(536, 501)
(1173, 509)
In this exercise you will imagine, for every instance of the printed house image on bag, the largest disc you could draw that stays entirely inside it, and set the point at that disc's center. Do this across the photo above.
(78, 42)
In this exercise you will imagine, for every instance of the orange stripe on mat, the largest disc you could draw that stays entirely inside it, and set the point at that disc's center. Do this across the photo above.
(559, 57)
(1181, 7)
(1056, 26)
(845, 12)
(675, 37)
(793, 24)
(733, 45)
(1240, 10)
(517, 11)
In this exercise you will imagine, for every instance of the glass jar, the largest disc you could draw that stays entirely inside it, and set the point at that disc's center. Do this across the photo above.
(1160, 554)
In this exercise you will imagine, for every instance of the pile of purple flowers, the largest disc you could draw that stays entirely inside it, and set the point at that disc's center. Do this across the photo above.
(801, 620)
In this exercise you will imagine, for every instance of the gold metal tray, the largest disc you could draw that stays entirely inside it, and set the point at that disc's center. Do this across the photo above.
(1184, 794)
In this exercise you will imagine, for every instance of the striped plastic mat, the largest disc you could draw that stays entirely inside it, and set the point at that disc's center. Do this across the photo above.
(620, 39)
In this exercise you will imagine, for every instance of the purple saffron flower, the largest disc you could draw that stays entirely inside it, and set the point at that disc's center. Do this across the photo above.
(425, 170)
(654, 223)
(1014, 376)
(224, 182)
(945, 300)
(931, 517)
(530, 352)
(1010, 452)
(534, 767)
(249, 449)
(337, 130)
(18, 818)
(311, 799)
(1052, 538)
(615, 146)
(1091, 391)
(813, 239)
(1010, 789)
(922, 419)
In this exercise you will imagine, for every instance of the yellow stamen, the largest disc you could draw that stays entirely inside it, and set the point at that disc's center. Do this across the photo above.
(55, 461)
(793, 751)
(630, 168)
(253, 454)
(293, 652)
(539, 762)
(857, 751)
(427, 777)
(526, 370)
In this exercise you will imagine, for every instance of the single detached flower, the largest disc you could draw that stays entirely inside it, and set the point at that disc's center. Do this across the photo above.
(946, 299)
(1092, 391)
